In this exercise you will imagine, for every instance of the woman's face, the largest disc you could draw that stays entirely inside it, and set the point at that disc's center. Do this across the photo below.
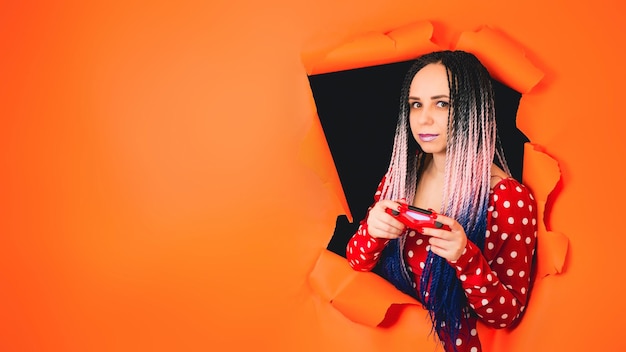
(429, 104)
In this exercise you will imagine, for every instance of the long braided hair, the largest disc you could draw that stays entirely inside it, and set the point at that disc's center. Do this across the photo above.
(472, 145)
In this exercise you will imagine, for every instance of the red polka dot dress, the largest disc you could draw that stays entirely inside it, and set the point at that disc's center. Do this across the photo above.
(496, 280)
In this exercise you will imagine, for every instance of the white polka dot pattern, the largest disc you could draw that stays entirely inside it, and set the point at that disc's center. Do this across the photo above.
(496, 280)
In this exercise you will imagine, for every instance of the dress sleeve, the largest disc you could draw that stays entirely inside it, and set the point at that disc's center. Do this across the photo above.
(363, 251)
(497, 280)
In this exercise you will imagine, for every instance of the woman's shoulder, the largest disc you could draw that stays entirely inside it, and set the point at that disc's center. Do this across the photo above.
(505, 186)
(507, 191)
(497, 176)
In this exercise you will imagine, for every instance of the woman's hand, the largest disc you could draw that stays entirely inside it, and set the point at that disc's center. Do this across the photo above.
(382, 225)
(447, 244)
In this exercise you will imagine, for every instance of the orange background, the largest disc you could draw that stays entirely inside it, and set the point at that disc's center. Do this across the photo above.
(154, 195)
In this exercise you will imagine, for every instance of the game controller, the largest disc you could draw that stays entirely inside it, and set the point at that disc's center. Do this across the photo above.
(417, 218)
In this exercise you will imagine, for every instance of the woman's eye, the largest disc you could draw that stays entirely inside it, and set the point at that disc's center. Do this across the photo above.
(415, 105)
(443, 104)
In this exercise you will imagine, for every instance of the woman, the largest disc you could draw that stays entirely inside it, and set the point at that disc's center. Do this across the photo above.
(443, 159)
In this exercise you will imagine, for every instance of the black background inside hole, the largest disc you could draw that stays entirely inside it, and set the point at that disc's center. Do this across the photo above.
(358, 110)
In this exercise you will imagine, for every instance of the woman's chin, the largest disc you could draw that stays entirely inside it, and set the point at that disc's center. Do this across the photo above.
(429, 148)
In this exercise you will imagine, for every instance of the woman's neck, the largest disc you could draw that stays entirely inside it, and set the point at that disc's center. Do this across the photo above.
(436, 166)
(429, 191)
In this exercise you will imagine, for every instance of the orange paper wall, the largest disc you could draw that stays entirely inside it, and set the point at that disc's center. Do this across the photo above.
(154, 190)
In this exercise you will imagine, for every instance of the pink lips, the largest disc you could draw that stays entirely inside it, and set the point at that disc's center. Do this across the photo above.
(425, 137)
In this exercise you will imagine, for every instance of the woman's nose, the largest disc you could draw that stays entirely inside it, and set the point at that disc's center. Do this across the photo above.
(423, 115)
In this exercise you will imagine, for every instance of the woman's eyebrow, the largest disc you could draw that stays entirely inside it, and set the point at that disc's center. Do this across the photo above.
(432, 98)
